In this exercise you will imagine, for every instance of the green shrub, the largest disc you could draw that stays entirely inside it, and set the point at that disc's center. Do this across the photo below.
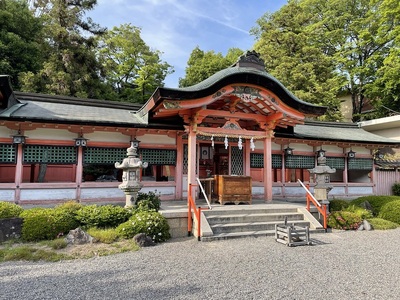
(337, 205)
(71, 206)
(106, 236)
(381, 224)
(46, 223)
(396, 189)
(376, 202)
(391, 211)
(359, 211)
(151, 199)
(102, 216)
(344, 220)
(9, 210)
(150, 223)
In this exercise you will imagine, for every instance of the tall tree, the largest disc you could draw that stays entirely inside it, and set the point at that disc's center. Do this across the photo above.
(131, 68)
(202, 65)
(20, 34)
(292, 53)
(70, 67)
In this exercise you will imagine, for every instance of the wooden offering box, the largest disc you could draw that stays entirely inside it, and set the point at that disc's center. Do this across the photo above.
(234, 189)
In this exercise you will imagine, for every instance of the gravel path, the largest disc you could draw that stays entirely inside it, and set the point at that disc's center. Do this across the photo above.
(341, 265)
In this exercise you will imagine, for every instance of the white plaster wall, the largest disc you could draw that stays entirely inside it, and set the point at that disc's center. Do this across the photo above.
(99, 192)
(6, 133)
(332, 149)
(114, 137)
(164, 190)
(360, 190)
(157, 139)
(50, 134)
(47, 194)
(360, 150)
(301, 147)
(276, 147)
(6, 195)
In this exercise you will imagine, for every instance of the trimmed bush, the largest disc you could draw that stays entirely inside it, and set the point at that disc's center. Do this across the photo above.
(376, 202)
(46, 223)
(9, 210)
(151, 199)
(391, 211)
(344, 220)
(102, 216)
(106, 236)
(151, 223)
(381, 224)
(70, 206)
(361, 212)
(396, 189)
(337, 205)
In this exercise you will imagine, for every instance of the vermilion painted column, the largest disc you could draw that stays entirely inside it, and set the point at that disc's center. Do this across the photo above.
(247, 151)
(268, 167)
(78, 175)
(192, 161)
(18, 174)
(179, 168)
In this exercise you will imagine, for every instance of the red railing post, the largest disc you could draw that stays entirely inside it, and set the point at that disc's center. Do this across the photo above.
(308, 198)
(325, 216)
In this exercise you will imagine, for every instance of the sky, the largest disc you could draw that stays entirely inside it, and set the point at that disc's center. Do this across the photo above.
(176, 27)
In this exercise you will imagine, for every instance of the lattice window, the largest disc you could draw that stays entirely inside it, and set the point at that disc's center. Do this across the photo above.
(335, 162)
(257, 160)
(236, 161)
(159, 156)
(96, 155)
(7, 153)
(49, 154)
(185, 159)
(360, 164)
(299, 162)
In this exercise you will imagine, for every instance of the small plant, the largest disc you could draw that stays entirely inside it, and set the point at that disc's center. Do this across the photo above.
(9, 210)
(381, 224)
(106, 236)
(376, 202)
(153, 201)
(391, 212)
(396, 189)
(344, 220)
(57, 244)
(102, 216)
(153, 224)
(337, 205)
(361, 212)
(46, 223)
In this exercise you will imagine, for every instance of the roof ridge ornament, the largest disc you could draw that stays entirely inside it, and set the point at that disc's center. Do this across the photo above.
(250, 59)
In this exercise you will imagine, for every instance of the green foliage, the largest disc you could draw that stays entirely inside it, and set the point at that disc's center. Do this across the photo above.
(344, 220)
(28, 253)
(46, 223)
(359, 211)
(106, 236)
(202, 65)
(337, 205)
(102, 216)
(391, 211)
(376, 202)
(396, 189)
(70, 206)
(57, 244)
(132, 69)
(153, 224)
(9, 210)
(381, 224)
(148, 201)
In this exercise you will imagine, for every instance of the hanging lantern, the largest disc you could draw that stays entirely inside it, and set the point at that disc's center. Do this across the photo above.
(252, 146)
(226, 142)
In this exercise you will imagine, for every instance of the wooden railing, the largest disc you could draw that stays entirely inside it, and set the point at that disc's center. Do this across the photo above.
(197, 214)
(322, 208)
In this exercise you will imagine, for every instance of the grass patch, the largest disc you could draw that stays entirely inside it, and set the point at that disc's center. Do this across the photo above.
(29, 253)
(56, 244)
(106, 236)
(381, 224)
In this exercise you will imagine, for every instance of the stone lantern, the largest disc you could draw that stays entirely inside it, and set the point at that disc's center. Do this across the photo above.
(322, 171)
(131, 167)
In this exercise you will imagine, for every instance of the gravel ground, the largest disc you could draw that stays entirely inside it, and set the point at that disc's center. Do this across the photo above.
(340, 265)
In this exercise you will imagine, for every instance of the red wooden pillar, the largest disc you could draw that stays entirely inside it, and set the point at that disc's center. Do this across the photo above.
(18, 173)
(192, 161)
(179, 167)
(268, 167)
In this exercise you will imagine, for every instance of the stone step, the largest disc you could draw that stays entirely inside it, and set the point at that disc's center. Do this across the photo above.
(255, 217)
(251, 226)
(237, 235)
(246, 210)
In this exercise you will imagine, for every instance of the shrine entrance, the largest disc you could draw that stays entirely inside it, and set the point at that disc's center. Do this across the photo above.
(227, 116)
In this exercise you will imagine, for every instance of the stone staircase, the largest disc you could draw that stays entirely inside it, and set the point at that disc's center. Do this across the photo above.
(245, 221)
